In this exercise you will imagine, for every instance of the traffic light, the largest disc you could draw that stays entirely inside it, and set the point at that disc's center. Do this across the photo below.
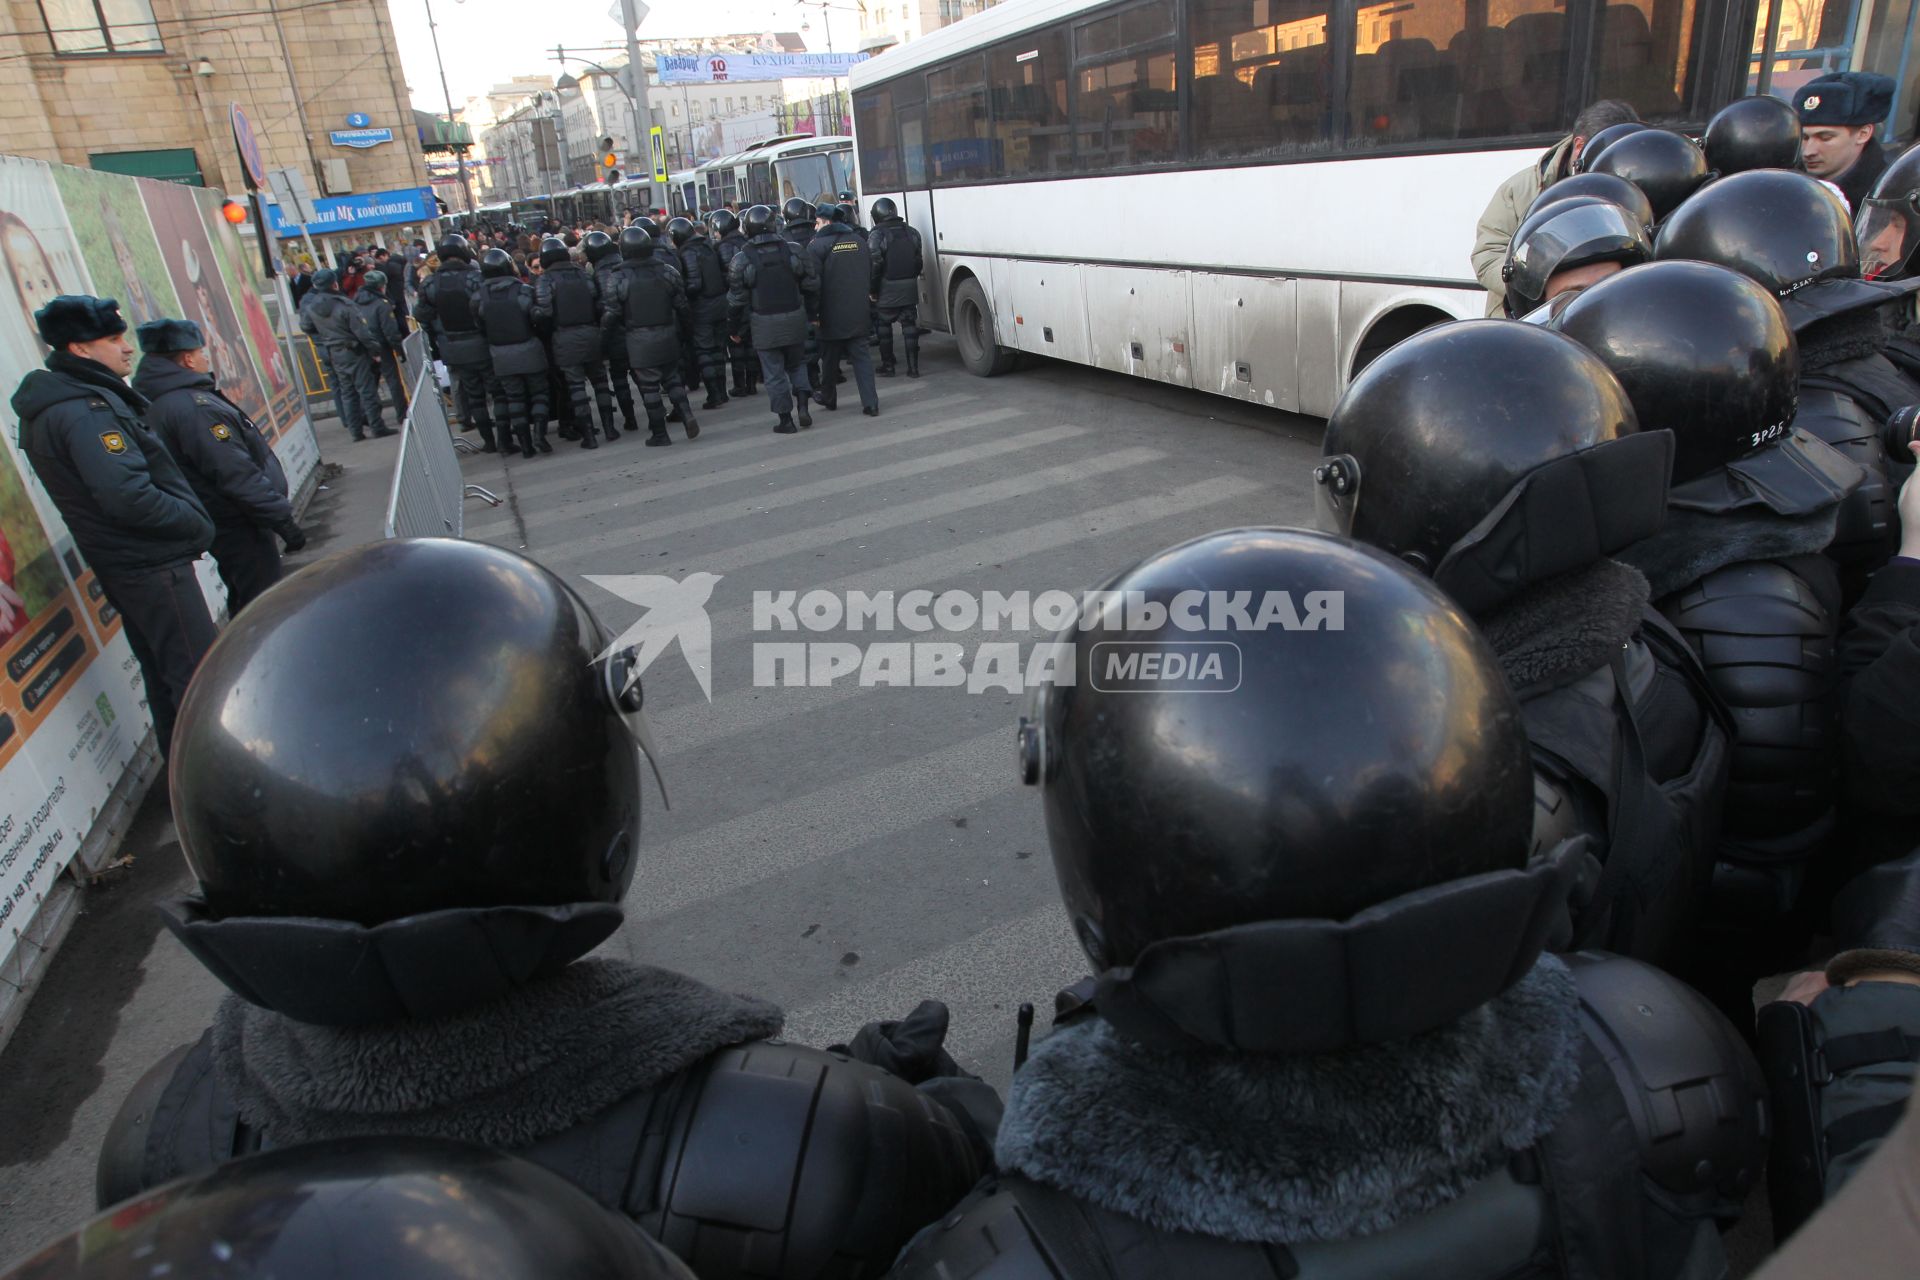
(609, 159)
(613, 176)
(233, 211)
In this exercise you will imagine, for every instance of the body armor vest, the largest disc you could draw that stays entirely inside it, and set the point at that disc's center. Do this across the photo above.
(776, 291)
(572, 296)
(507, 323)
(704, 276)
(648, 304)
(898, 249)
(452, 304)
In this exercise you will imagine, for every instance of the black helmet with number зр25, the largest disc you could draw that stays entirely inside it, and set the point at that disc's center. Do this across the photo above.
(797, 210)
(1888, 221)
(759, 220)
(496, 263)
(1605, 186)
(1492, 456)
(388, 840)
(598, 246)
(1667, 166)
(1564, 235)
(365, 1208)
(1760, 132)
(884, 209)
(1338, 781)
(454, 247)
(680, 230)
(723, 222)
(1784, 229)
(1600, 141)
(1707, 354)
(553, 252)
(636, 243)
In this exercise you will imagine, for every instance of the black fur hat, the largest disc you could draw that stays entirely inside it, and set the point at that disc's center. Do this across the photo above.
(76, 317)
(163, 337)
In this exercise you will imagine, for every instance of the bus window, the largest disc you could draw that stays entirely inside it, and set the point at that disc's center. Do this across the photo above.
(958, 139)
(879, 153)
(1648, 56)
(1262, 73)
(760, 188)
(1125, 108)
(1029, 79)
(805, 176)
(1426, 71)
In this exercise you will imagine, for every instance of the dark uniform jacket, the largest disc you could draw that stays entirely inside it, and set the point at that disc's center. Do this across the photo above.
(328, 318)
(119, 490)
(448, 307)
(1880, 714)
(374, 321)
(705, 275)
(506, 319)
(227, 461)
(566, 303)
(730, 247)
(845, 270)
(895, 248)
(1857, 183)
(772, 290)
(648, 301)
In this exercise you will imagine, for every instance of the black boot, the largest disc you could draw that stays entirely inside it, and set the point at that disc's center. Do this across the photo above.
(657, 429)
(685, 411)
(540, 438)
(785, 426)
(525, 435)
(613, 433)
(675, 415)
(886, 369)
(828, 399)
(589, 438)
(716, 393)
(800, 403)
(913, 364)
(486, 440)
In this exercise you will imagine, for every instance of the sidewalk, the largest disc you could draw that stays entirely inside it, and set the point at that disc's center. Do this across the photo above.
(120, 992)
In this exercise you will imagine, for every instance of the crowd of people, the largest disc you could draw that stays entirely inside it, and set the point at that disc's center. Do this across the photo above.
(1428, 948)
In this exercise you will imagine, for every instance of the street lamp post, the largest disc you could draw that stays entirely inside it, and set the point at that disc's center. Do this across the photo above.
(459, 153)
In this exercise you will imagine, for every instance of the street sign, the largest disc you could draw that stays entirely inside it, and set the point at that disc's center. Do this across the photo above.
(361, 138)
(619, 12)
(249, 147)
(292, 196)
(657, 141)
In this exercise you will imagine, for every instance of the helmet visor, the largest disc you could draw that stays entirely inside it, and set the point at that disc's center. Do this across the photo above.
(1336, 493)
(1574, 236)
(1888, 232)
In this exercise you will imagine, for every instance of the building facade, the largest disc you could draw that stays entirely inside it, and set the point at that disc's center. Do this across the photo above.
(886, 23)
(147, 87)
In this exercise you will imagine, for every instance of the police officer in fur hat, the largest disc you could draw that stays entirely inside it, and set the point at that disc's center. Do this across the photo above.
(227, 461)
(130, 509)
(1841, 116)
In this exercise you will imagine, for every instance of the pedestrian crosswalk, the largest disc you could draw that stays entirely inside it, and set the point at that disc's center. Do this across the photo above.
(848, 849)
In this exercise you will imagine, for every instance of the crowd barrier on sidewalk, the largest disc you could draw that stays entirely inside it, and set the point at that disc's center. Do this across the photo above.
(428, 489)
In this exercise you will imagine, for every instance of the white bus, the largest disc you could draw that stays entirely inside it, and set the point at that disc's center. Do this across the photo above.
(1251, 197)
(774, 171)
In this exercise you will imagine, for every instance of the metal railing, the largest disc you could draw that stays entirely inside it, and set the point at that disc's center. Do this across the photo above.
(428, 489)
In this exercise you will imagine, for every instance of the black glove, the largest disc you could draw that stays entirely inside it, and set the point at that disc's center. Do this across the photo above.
(910, 1048)
(291, 534)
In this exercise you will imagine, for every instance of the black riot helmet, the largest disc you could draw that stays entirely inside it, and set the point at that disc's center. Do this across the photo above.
(553, 252)
(1761, 132)
(848, 213)
(455, 247)
(361, 1209)
(884, 210)
(1707, 354)
(598, 246)
(759, 221)
(680, 230)
(723, 222)
(1605, 138)
(1783, 229)
(1666, 165)
(1492, 456)
(1276, 743)
(475, 790)
(636, 244)
(796, 210)
(495, 263)
(1889, 220)
(1604, 186)
(1566, 234)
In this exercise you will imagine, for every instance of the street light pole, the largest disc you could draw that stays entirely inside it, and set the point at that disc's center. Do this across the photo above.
(460, 153)
(631, 12)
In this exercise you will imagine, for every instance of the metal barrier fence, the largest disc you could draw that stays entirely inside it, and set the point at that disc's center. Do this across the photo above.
(428, 490)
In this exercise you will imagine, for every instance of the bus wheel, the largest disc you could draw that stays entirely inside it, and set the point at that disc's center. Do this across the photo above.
(973, 330)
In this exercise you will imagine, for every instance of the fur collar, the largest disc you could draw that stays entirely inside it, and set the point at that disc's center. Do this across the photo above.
(1561, 629)
(1692, 544)
(1280, 1148)
(535, 1063)
(1847, 336)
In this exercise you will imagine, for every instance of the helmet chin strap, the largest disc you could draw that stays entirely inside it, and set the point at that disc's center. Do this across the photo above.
(629, 706)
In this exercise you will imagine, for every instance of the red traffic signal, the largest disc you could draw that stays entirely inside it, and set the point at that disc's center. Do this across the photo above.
(233, 211)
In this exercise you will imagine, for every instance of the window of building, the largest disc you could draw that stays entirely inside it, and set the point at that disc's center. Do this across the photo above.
(101, 26)
(1125, 100)
(960, 146)
(1029, 79)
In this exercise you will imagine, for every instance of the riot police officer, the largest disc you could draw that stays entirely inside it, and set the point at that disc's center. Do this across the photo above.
(1340, 795)
(706, 282)
(772, 295)
(402, 927)
(360, 1209)
(647, 302)
(566, 303)
(1758, 132)
(1739, 568)
(603, 257)
(381, 331)
(730, 241)
(1565, 246)
(1785, 231)
(224, 457)
(1629, 743)
(519, 360)
(841, 261)
(327, 316)
(798, 226)
(1666, 165)
(895, 250)
(448, 308)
